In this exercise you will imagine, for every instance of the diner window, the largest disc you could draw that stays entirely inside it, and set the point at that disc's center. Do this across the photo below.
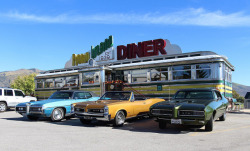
(39, 83)
(230, 77)
(91, 77)
(164, 74)
(203, 71)
(48, 83)
(155, 76)
(139, 75)
(181, 72)
(228, 74)
(59, 82)
(72, 81)
(120, 75)
(159, 74)
(125, 79)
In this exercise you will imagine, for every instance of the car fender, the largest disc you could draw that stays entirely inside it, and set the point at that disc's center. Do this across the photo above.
(4, 102)
(123, 111)
(208, 113)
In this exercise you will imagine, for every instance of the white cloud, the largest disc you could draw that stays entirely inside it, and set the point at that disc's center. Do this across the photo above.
(197, 17)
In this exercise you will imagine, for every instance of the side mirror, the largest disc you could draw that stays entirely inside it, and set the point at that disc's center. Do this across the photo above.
(219, 98)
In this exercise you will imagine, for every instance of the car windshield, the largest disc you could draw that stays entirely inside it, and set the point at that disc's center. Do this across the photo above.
(116, 96)
(61, 95)
(194, 95)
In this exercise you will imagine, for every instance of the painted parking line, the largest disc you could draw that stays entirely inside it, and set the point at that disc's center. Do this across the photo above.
(219, 131)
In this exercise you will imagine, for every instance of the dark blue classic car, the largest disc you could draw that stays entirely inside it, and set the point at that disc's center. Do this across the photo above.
(57, 107)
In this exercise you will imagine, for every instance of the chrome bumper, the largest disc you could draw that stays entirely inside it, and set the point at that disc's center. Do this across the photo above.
(90, 116)
(184, 121)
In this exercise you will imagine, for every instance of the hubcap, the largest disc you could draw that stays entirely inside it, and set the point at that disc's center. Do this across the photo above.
(121, 118)
(2, 107)
(57, 114)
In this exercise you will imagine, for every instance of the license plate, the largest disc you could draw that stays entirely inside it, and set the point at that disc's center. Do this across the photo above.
(175, 121)
(87, 117)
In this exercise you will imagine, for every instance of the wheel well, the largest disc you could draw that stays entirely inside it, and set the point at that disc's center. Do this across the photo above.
(4, 102)
(214, 114)
(64, 109)
(124, 111)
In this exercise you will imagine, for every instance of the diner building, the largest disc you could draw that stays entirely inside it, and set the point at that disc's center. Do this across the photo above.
(153, 68)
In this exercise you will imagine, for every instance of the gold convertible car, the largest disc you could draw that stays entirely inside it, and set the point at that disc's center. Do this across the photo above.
(114, 106)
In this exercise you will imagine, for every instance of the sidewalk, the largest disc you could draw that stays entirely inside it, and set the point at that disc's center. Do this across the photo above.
(240, 111)
(245, 110)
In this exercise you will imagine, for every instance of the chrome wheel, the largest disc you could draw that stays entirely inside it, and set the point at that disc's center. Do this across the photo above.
(119, 118)
(3, 107)
(57, 114)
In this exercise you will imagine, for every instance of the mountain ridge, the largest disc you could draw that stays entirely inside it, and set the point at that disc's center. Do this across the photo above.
(6, 77)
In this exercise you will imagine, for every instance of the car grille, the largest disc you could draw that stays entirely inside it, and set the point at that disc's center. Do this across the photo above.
(96, 110)
(79, 110)
(162, 112)
(21, 109)
(35, 109)
(190, 113)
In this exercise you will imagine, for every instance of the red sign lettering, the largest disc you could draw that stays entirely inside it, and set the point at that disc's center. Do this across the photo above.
(143, 49)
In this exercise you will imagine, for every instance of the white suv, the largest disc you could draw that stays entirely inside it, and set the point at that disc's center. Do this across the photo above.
(11, 97)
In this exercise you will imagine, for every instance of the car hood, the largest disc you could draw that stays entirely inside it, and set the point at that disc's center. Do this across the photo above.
(183, 104)
(97, 104)
(41, 103)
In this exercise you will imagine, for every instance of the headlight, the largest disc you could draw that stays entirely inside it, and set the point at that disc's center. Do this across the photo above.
(72, 108)
(106, 109)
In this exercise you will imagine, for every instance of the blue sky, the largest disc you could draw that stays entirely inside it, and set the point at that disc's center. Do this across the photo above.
(44, 34)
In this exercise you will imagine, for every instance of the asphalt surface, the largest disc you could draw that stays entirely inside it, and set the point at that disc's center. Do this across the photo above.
(18, 133)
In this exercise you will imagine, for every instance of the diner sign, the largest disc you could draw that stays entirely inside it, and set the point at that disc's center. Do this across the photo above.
(99, 49)
(106, 55)
(80, 58)
(106, 52)
(142, 49)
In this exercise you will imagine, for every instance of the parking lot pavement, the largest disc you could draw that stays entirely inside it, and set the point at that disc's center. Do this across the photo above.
(17, 133)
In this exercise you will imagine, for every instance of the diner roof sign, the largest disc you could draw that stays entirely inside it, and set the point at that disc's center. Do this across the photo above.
(106, 52)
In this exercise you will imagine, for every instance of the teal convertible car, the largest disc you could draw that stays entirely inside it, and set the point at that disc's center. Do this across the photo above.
(57, 107)
(193, 107)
